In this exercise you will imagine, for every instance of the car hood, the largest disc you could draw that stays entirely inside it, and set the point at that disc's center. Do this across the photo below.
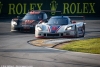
(29, 22)
(52, 28)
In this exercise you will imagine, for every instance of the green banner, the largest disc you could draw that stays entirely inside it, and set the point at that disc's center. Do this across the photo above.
(13, 8)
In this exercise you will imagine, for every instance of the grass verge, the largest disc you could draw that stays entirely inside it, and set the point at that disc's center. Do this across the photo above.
(87, 46)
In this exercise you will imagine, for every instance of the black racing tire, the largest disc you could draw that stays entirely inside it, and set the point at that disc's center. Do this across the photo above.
(83, 30)
(76, 35)
(32, 30)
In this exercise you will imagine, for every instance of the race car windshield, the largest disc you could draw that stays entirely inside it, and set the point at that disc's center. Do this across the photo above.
(58, 21)
(32, 17)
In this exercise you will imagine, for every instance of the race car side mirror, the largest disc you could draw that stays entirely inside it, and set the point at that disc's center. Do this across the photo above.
(46, 20)
(41, 21)
(73, 21)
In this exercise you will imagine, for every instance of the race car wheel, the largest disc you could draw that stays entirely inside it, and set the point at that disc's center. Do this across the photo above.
(83, 30)
(32, 30)
(76, 33)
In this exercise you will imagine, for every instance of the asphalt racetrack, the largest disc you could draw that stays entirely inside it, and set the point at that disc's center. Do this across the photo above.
(16, 52)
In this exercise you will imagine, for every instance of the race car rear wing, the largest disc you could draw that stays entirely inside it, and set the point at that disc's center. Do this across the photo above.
(45, 10)
(83, 17)
(77, 18)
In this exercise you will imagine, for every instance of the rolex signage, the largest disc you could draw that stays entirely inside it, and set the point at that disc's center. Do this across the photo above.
(53, 6)
(68, 7)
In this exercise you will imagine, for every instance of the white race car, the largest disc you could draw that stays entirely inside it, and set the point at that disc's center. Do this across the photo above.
(60, 26)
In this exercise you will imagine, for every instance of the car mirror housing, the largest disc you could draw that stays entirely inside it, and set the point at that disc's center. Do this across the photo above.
(73, 21)
(46, 20)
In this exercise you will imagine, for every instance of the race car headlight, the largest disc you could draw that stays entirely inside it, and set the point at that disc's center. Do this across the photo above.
(14, 23)
(39, 28)
(69, 28)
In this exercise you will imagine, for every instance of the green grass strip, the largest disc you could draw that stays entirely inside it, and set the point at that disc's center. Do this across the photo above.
(87, 46)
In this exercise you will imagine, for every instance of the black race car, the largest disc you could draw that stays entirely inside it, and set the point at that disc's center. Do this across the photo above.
(28, 22)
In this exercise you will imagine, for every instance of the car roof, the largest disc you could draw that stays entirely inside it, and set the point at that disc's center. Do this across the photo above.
(65, 17)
